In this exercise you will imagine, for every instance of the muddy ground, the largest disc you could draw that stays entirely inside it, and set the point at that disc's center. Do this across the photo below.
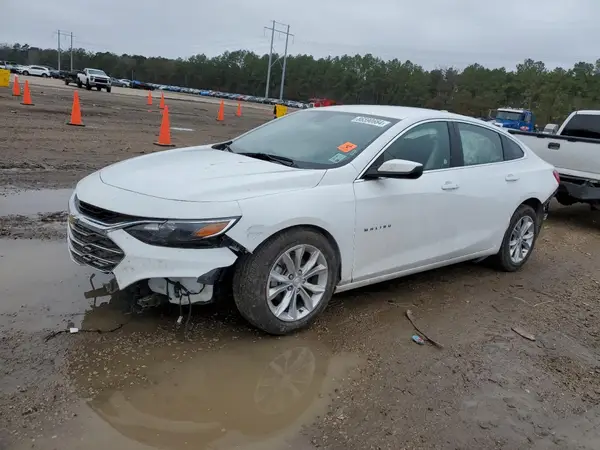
(353, 381)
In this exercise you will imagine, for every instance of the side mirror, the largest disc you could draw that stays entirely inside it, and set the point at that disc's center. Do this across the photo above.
(395, 168)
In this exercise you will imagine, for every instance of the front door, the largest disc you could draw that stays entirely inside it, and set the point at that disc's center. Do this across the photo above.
(403, 224)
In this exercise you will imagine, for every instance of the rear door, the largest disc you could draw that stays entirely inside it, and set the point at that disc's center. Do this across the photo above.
(489, 185)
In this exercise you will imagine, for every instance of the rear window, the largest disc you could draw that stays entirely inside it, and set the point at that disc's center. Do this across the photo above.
(315, 139)
(583, 126)
(511, 149)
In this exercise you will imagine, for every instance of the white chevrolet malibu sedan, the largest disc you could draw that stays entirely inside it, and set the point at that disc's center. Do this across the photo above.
(319, 201)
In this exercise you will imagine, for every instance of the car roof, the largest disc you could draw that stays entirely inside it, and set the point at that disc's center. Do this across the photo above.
(394, 112)
(588, 112)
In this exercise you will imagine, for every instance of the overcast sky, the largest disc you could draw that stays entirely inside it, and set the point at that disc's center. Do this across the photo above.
(432, 33)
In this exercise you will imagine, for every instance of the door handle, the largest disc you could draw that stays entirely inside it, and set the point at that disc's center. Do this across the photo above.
(553, 145)
(449, 186)
(511, 177)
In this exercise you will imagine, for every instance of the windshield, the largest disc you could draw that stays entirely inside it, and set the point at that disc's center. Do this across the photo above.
(315, 139)
(96, 72)
(509, 115)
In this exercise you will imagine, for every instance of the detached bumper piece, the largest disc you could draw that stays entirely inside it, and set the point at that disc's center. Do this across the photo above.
(579, 189)
(89, 247)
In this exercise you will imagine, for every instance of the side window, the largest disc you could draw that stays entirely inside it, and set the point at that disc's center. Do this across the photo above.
(428, 144)
(479, 145)
(512, 150)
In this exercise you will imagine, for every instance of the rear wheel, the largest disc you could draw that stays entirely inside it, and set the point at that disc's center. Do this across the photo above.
(25, 73)
(44, 75)
(107, 89)
(98, 88)
(519, 240)
(287, 282)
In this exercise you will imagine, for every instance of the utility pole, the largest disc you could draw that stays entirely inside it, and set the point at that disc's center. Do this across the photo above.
(273, 29)
(71, 51)
(60, 34)
(270, 61)
(287, 36)
(59, 50)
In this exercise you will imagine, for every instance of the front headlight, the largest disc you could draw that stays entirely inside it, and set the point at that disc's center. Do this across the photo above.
(183, 233)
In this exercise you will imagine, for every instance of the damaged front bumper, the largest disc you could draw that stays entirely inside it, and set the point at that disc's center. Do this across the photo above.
(169, 271)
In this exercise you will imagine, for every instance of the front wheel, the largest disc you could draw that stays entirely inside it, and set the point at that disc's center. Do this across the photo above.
(287, 282)
(107, 89)
(519, 240)
(88, 86)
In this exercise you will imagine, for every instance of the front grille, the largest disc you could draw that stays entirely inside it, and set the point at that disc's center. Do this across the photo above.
(93, 249)
(102, 215)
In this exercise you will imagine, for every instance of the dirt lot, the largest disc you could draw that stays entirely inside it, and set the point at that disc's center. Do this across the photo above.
(353, 381)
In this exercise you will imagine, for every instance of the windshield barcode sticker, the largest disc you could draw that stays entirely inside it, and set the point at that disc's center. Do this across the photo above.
(370, 121)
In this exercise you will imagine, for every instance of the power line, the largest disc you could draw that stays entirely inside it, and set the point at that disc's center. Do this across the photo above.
(273, 29)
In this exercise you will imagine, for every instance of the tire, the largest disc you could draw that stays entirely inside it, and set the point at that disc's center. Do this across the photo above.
(79, 84)
(44, 75)
(503, 260)
(251, 279)
(88, 86)
(108, 89)
(66, 82)
(98, 88)
(25, 73)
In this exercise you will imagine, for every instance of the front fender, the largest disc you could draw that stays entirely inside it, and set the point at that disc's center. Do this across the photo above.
(330, 208)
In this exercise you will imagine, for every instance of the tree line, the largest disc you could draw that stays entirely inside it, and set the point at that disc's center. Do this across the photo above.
(366, 79)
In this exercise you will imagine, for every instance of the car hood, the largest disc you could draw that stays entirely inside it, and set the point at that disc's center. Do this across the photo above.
(202, 174)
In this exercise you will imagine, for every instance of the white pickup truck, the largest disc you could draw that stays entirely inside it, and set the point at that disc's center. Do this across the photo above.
(93, 78)
(575, 153)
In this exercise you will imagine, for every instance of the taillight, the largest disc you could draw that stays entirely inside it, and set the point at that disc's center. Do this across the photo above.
(556, 176)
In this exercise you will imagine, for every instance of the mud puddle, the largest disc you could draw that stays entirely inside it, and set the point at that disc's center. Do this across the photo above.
(43, 289)
(134, 381)
(233, 393)
(31, 202)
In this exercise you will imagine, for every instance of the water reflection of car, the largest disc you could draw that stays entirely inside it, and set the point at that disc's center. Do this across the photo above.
(247, 391)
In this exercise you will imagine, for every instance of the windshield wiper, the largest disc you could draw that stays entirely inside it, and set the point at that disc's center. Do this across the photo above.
(271, 158)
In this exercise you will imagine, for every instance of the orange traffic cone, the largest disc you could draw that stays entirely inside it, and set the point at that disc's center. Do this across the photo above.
(76, 112)
(162, 101)
(149, 98)
(221, 113)
(16, 87)
(239, 110)
(27, 95)
(164, 137)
